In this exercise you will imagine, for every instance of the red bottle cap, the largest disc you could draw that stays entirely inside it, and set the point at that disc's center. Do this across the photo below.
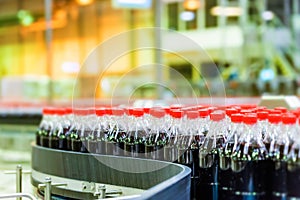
(69, 110)
(146, 110)
(80, 111)
(129, 111)
(48, 111)
(100, 111)
(250, 119)
(176, 113)
(203, 113)
(222, 107)
(192, 114)
(158, 113)
(275, 111)
(138, 112)
(217, 115)
(167, 110)
(245, 111)
(282, 109)
(108, 111)
(60, 111)
(237, 118)
(289, 119)
(295, 112)
(274, 118)
(118, 111)
(230, 111)
(211, 109)
(262, 115)
(248, 106)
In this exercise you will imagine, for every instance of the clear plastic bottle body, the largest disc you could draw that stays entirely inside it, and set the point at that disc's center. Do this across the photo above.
(134, 143)
(248, 163)
(156, 137)
(287, 170)
(174, 131)
(293, 172)
(48, 126)
(225, 177)
(67, 119)
(57, 130)
(119, 130)
(43, 129)
(209, 156)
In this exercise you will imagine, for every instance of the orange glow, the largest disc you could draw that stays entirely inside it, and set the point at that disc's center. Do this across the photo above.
(191, 4)
(84, 2)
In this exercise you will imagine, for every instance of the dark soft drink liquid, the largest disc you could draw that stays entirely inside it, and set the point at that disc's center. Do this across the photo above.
(75, 140)
(225, 177)
(120, 144)
(293, 177)
(207, 186)
(38, 135)
(278, 168)
(129, 145)
(53, 139)
(62, 139)
(250, 173)
(45, 138)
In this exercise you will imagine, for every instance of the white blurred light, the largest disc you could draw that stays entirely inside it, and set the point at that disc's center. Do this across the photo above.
(227, 11)
(267, 74)
(187, 16)
(268, 15)
(134, 4)
(105, 85)
(70, 67)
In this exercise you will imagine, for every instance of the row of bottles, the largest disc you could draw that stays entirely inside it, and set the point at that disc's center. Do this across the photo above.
(235, 152)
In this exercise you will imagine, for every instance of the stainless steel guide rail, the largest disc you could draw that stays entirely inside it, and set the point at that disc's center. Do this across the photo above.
(86, 176)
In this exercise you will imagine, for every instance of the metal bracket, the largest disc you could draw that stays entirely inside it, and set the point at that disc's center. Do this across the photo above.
(18, 173)
(47, 187)
(101, 192)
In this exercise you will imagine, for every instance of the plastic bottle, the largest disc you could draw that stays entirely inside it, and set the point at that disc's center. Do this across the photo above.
(203, 123)
(293, 172)
(209, 158)
(58, 130)
(170, 149)
(187, 137)
(67, 120)
(76, 133)
(101, 131)
(225, 153)
(157, 135)
(48, 125)
(44, 128)
(248, 163)
(191, 155)
(280, 153)
(119, 131)
(136, 135)
(262, 122)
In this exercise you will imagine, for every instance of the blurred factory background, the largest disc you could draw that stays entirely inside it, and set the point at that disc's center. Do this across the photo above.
(43, 43)
(47, 56)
